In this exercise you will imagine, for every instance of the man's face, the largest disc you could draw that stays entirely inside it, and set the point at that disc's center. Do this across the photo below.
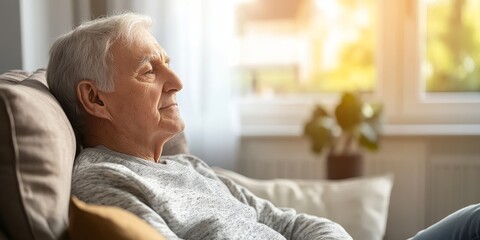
(143, 105)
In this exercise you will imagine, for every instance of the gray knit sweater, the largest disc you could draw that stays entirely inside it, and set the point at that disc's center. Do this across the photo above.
(183, 199)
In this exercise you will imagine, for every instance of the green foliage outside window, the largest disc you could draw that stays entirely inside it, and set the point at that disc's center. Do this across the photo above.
(453, 46)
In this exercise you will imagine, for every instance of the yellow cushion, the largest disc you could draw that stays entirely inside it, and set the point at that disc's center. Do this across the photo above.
(89, 221)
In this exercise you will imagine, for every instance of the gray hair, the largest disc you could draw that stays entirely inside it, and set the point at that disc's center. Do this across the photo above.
(84, 54)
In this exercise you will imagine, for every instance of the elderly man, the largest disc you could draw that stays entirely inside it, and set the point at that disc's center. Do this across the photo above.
(114, 82)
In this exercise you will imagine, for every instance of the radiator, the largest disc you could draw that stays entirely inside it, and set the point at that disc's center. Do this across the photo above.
(453, 184)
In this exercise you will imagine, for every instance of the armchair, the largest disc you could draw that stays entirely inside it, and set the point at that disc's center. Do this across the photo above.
(37, 151)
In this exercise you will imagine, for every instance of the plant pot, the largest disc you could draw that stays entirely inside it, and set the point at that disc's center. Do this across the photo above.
(344, 166)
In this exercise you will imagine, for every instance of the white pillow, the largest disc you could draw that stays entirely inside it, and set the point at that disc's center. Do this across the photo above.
(360, 205)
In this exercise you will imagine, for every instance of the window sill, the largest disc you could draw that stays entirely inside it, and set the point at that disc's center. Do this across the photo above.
(388, 130)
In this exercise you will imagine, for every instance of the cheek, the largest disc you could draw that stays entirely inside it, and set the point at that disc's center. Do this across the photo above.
(145, 111)
(139, 104)
(147, 106)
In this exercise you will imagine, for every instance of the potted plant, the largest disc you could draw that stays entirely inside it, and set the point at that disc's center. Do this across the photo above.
(353, 126)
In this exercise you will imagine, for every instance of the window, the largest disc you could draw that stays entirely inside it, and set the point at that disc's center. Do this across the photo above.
(440, 80)
(421, 58)
(304, 47)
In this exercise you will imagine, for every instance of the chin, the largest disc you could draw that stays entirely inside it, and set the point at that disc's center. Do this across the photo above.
(181, 125)
(180, 122)
(177, 127)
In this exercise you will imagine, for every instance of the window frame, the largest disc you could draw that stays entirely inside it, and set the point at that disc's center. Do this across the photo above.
(416, 104)
(399, 85)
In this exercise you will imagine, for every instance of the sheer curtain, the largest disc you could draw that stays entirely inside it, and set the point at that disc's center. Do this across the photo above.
(197, 34)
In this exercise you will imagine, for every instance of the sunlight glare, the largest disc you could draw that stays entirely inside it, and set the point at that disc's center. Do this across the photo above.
(331, 48)
(367, 110)
(430, 2)
(239, 2)
(330, 9)
(469, 64)
(362, 17)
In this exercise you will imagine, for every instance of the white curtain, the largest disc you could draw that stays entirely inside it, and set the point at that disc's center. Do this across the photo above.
(197, 34)
(42, 21)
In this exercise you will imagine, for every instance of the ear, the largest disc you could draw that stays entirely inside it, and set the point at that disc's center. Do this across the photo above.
(88, 96)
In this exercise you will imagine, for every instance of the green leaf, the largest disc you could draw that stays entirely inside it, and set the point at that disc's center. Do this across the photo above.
(377, 110)
(369, 137)
(320, 112)
(349, 112)
(376, 120)
(319, 131)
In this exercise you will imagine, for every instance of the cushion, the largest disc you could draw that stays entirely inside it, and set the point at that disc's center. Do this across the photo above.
(88, 221)
(360, 205)
(37, 149)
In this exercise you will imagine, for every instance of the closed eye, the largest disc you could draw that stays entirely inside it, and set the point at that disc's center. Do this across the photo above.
(149, 72)
(148, 75)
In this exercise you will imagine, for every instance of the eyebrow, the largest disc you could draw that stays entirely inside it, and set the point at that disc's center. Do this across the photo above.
(165, 57)
(162, 55)
(146, 59)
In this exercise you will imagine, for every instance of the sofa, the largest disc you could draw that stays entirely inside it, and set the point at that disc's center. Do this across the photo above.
(37, 151)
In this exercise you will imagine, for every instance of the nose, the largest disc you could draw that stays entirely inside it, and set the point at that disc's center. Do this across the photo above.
(173, 83)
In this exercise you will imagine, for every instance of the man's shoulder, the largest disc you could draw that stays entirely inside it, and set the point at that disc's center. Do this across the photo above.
(101, 155)
(90, 157)
(93, 161)
(87, 153)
